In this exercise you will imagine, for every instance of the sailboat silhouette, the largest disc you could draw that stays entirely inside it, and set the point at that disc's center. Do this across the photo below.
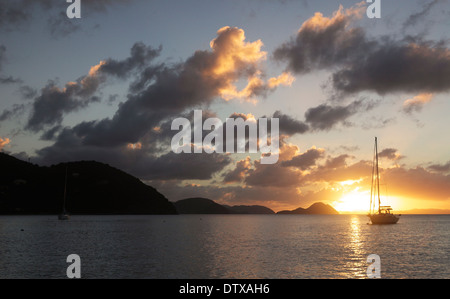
(383, 215)
(64, 215)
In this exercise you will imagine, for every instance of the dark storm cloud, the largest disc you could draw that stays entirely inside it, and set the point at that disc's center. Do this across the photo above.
(360, 63)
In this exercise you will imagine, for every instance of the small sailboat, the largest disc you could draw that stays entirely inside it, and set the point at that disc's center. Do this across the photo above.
(64, 215)
(383, 214)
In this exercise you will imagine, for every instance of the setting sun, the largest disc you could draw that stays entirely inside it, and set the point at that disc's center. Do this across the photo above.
(353, 201)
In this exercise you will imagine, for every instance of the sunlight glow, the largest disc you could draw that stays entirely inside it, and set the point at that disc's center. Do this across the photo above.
(353, 201)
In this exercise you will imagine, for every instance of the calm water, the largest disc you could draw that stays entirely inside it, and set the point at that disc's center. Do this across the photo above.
(224, 246)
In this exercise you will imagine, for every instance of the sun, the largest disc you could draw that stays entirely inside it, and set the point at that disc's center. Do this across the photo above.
(356, 201)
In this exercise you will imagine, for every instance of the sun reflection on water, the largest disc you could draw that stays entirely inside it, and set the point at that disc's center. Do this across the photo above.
(354, 263)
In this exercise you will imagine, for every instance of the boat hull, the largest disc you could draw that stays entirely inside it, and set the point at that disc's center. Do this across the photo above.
(383, 219)
(63, 217)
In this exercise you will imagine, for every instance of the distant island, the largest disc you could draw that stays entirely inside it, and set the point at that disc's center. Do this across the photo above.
(97, 188)
(200, 205)
(208, 206)
(316, 208)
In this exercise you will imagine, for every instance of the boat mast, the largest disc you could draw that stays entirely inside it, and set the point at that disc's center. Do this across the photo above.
(65, 191)
(372, 200)
(378, 176)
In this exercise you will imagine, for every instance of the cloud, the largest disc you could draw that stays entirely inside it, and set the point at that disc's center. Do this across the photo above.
(305, 160)
(3, 142)
(6, 79)
(287, 185)
(164, 91)
(359, 63)
(238, 174)
(440, 167)
(409, 65)
(15, 14)
(336, 162)
(288, 172)
(416, 103)
(171, 166)
(139, 159)
(323, 42)
(9, 80)
(418, 183)
(325, 116)
(390, 153)
(337, 170)
(288, 125)
(53, 102)
(234, 58)
(140, 56)
(61, 26)
(417, 17)
(16, 110)
(2, 55)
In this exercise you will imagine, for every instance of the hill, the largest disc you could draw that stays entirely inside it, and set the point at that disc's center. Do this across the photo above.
(316, 208)
(92, 188)
(199, 205)
(255, 209)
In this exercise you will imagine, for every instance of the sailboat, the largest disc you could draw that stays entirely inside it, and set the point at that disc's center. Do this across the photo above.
(64, 215)
(383, 214)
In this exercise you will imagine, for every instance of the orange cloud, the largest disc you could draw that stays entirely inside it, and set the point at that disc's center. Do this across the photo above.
(285, 79)
(4, 142)
(94, 69)
(232, 51)
(319, 22)
(233, 59)
(134, 146)
(416, 103)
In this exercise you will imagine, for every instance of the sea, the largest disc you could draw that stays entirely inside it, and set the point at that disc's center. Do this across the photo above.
(224, 247)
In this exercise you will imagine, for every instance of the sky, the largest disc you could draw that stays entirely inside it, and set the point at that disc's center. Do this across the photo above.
(107, 87)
